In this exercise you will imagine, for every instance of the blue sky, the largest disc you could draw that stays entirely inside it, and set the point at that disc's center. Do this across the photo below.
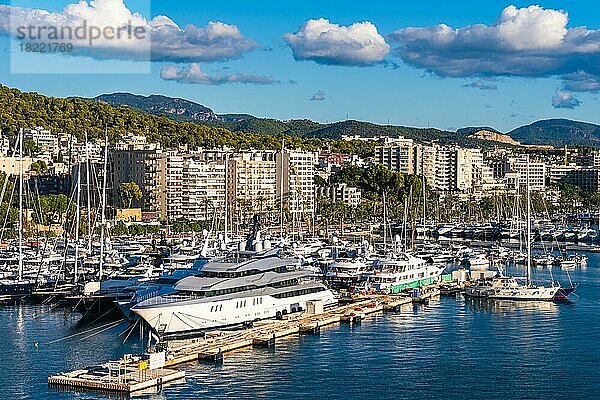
(403, 85)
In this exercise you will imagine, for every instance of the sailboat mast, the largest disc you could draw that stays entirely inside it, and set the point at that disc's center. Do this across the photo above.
(88, 194)
(20, 204)
(281, 176)
(77, 222)
(226, 227)
(102, 229)
(528, 226)
(384, 224)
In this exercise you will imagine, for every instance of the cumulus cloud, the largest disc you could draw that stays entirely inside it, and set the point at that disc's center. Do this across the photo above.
(192, 73)
(581, 81)
(326, 43)
(526, 42)
(164, 40)
(318, 96)
(482, 85)
(562, 99)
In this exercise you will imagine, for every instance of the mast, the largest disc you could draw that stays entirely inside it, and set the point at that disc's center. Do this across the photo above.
(384, 224)
(226, 228)
(77, 216)
(528, 227)
(20, 204)
(88, 194)
(102, 229)
(281, 192)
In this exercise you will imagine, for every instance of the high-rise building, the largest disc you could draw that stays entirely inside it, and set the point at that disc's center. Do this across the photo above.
(135, 160)
(397, 155)
(533, 171)
(295, 181)
(251, 181)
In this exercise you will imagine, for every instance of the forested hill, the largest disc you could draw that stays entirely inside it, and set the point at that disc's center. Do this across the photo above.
(76, 115)
(558, 132)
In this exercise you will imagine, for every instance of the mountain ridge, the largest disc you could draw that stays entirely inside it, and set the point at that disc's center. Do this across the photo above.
(557, 132)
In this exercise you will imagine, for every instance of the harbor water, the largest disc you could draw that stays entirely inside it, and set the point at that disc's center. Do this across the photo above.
(452, 348)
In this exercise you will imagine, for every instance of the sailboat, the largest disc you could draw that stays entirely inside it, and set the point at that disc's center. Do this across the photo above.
(513, 288)
(19, 287)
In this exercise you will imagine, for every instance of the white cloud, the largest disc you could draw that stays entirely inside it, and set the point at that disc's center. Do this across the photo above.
(483, 85)
(164, 40)
(581, 81)
(326, 43)
(562, 99)
(531, 28)
(318, 96)
(192, 73)
(527, 42)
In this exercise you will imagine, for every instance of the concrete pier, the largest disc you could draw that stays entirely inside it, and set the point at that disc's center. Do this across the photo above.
(212, 347)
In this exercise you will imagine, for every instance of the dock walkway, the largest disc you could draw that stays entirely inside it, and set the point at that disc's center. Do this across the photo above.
(129, 378)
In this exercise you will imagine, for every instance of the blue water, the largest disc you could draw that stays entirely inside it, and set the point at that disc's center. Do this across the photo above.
(452, 349)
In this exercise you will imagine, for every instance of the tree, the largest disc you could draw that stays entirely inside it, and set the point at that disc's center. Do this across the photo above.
(30, 147)
(319, 181)
(128, 191)
(39, 166)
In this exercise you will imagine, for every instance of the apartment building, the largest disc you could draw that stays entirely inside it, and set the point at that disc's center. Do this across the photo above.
(44, 139)
(397, 154)
(349, 195)
(135, 160)
(295, 181)
(251, 181)
(534, 171)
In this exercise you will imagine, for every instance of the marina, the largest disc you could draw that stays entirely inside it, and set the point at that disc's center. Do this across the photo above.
(215, 344)
(420, 331)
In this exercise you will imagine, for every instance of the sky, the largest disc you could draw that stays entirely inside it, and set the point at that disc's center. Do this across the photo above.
(427, 63)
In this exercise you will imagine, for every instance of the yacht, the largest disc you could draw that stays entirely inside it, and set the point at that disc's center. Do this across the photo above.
(401, 270)
(345, 272)
(510, 288)
(230, 293)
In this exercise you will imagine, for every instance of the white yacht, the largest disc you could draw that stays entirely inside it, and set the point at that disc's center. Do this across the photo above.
(402, 270)
(512, 288)
(231, 292)
(509, 288)
(346, 271)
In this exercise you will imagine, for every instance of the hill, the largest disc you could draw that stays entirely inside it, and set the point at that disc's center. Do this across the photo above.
(179, 109)
(558, 132)
(185, 110)
(76, 115)
(487, 133)
(474, 129)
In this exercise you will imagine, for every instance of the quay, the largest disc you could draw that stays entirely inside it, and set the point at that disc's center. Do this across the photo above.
(123, 376)
(134, 373)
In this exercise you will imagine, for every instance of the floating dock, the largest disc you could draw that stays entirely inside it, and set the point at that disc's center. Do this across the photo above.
(131, 375)
(117, 376)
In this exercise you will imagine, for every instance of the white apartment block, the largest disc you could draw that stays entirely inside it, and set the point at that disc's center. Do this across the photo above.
(397, 155)
(251, 181)
(349, 195)
(44, 139)
(203, 189)
(536, 175)
(295, 181)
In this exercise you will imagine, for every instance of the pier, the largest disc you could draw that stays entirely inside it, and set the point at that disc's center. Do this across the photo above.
(135, 373)
(122, 376)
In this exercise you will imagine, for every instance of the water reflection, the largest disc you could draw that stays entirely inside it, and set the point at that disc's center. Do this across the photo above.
(494, 305)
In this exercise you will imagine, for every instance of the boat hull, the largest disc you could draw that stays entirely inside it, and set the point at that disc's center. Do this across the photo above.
(185, 318)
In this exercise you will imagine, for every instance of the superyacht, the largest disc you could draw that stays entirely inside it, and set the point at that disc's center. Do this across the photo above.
(230, 292)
